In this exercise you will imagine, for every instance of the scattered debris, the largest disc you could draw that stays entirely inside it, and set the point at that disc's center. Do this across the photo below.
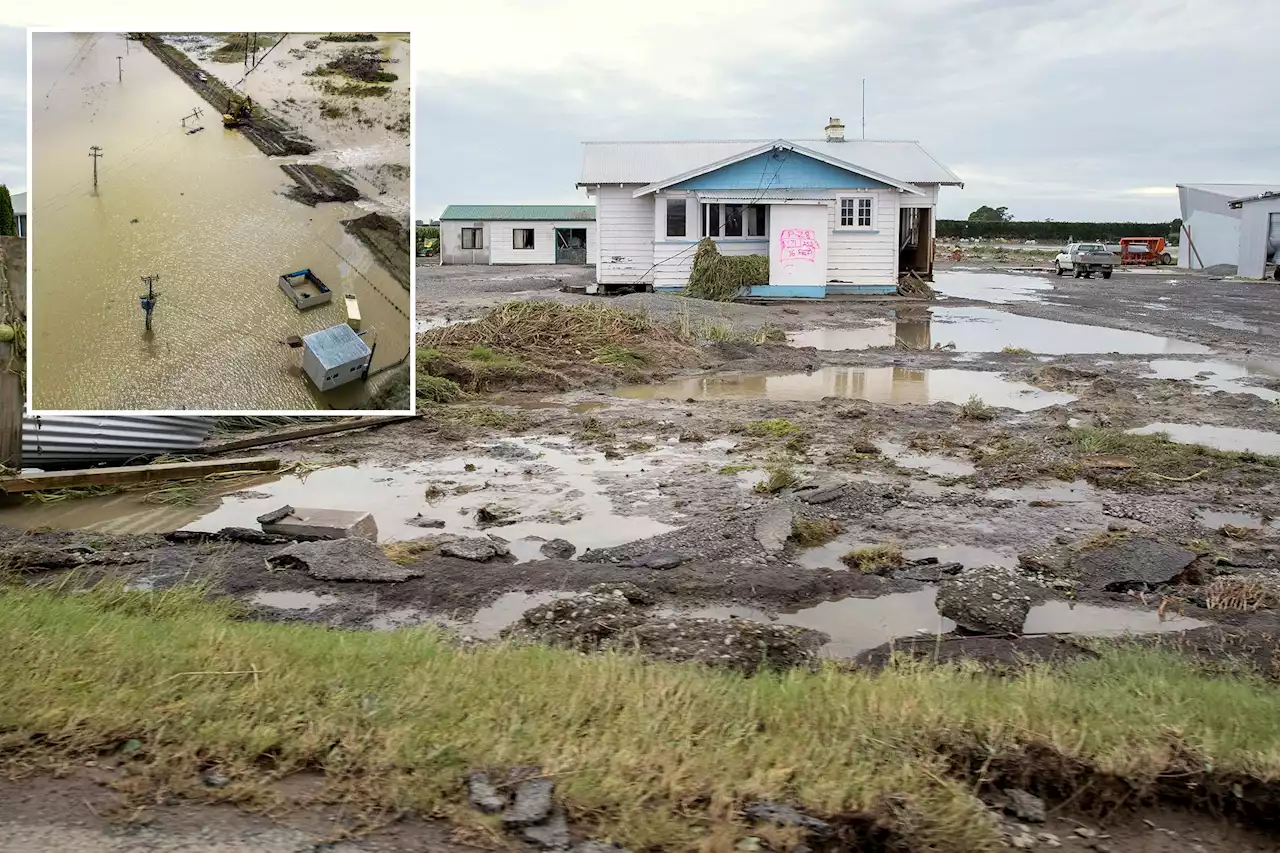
(987, 599)
(560, 549)
(320, 523)
(660, 559)
(773, 529)
(477, 549)
(1024, 806)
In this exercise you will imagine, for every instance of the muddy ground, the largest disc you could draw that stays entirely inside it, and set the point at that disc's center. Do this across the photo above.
(622, 472)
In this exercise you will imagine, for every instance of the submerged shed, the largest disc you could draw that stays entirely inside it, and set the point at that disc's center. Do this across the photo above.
(334, 356)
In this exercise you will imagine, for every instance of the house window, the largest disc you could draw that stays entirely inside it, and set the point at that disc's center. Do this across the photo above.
(522, 238)
(676, 225)
(856, 212)
(740, 220)
(471, 238)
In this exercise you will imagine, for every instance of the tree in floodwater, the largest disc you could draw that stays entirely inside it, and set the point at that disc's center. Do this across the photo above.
(8, 221)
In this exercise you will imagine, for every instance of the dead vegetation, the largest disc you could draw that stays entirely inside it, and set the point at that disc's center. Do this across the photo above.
(812, 532)
(359, 63)
(723, 278)
(874, 559)
(541, 345)
(1243, 593)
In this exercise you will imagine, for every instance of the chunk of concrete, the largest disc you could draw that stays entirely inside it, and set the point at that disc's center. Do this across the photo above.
(989, 598)
(477, 549)
(1131, 563)
(484, 795)
(773, 529)
(348, 559)
(551, 834)
(532, 803)
(561, 549)
(321, 523)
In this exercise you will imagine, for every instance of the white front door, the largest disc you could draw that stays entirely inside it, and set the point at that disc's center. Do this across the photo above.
(798, 235)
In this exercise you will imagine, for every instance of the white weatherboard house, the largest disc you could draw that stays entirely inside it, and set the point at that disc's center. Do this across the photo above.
(1237, 224)
(518, 234)
(834, 216)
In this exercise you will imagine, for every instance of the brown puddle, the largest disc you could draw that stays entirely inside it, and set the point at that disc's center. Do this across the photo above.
(1234, 439)
(293, 600)
(991, 330)
(1214, 519)
(874, 384)
(558, 492)
(1218, 375)
(939, 466)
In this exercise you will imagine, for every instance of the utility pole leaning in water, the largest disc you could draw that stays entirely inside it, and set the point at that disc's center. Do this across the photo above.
(95, 152)
(148, 299)
(120, 68)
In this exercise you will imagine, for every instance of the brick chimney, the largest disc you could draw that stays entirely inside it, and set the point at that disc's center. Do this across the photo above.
(835, 130)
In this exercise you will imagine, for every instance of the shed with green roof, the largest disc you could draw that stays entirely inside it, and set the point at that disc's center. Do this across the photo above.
(518, 234)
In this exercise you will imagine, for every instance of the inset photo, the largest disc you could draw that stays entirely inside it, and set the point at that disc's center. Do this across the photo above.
(219, 222)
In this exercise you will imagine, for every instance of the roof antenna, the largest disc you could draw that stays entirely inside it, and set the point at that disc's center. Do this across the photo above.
(864, 108)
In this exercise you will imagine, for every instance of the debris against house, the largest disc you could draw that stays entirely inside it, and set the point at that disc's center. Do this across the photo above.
(35, 482)
(320, 523)
(305, 289)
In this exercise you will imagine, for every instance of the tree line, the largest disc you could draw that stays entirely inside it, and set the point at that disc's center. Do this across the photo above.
(989, 223)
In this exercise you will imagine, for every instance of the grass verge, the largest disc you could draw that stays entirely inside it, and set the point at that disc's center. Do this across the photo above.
(653, 756)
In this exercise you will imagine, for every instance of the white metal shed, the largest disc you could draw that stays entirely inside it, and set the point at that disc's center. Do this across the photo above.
(334, 356)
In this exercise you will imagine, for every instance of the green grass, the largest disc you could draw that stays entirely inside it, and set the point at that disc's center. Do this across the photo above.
(619, 356)
(733, 470)
(874, 559)
(435, 389)
(772, 428)
(811, 532)
(974, 409)
(653, 756)
(780, 475)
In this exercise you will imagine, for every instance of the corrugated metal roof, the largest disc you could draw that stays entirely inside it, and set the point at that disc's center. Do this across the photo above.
(520, 212)
(649, 162)
(1231, 191)
(336, 346)
(52, 441)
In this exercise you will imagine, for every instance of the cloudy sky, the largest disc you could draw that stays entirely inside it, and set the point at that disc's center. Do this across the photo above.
(1062, 109)
(13, 108)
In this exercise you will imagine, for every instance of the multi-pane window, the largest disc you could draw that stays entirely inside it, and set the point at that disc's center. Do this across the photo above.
(522, 238)
(471, 238)
(856, 212)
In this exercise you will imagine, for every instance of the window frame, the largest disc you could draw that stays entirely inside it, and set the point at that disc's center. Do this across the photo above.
(526, 248)
(681, 204)
(477, 242)
(855, 201)
(718, 211)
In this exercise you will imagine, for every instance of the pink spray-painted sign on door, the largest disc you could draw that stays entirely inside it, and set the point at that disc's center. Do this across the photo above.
(798, 245)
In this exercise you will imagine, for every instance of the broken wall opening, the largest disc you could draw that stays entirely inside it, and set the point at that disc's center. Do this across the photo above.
(571, 245)
(915, 242)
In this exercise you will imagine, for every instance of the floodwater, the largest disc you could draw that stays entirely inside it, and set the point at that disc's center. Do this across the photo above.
(990, 330)
(990, 287)
(297, 599)
(937, 465)
(1219, 375)
(1214, 519)
(1218, 437)
(876, 384)
(205, 212)
(557, 491)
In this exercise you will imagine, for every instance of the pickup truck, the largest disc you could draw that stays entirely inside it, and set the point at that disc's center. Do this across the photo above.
(1085, 259)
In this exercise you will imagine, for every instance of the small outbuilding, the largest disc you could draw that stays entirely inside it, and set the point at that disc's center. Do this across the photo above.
(1232, 224)
(334, 356)
(518, 234)
(20, 212)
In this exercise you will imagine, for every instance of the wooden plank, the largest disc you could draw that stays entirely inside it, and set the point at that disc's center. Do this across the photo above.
(302, 432)
(135, 474)
(13, 299)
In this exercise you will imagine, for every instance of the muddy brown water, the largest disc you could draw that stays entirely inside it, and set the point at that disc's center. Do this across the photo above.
(1235, 439)
(858, 624)
(205, 212)
(990, 330)
(1218, 375)
(875, 384)
(998, 288)
(558, 491)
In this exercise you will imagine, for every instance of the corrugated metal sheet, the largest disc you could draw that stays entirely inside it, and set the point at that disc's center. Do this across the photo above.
(1231, 191)
(1262, 196)
(60, 442)
(648, 162)
(520, 212)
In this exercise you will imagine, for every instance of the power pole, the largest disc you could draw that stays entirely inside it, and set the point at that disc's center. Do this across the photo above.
(148, 299)
(120, 68)
(95, 152)
(864, 108)
(195, 114)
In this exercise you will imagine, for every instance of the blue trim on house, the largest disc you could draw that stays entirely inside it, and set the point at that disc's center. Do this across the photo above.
(776, 170)
(854, 289)
(855, 231)
(788, 291)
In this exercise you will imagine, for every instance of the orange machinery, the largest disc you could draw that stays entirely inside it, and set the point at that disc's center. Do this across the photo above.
(1143, 251)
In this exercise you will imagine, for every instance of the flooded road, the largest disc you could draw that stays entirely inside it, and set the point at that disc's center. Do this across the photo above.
(205, 212)
(876, 384)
